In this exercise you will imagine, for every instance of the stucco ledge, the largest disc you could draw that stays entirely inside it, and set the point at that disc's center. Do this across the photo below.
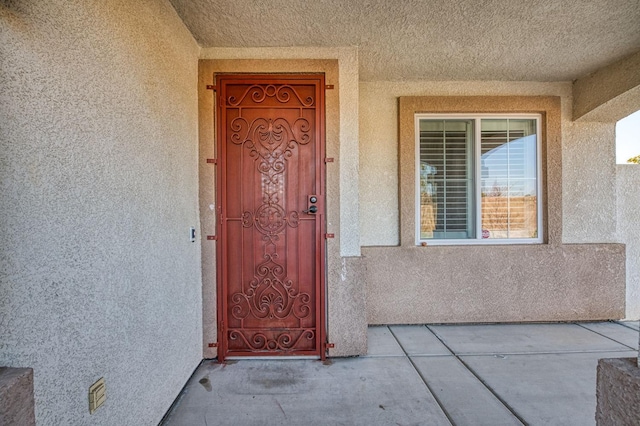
(618, 392)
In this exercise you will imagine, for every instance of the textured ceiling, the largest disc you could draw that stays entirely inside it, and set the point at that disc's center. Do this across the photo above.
(536, 40)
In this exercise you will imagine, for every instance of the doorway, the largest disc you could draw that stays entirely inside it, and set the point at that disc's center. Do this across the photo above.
(271, 217)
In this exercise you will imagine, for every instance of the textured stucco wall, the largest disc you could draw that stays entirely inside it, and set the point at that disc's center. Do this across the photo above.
(618, 392)
(459, 284)
(541, 40)
(554, 282)
(610, 93)
(589, 176)
(98, 188)
(17, 406)
(628, 184)
(585, 219)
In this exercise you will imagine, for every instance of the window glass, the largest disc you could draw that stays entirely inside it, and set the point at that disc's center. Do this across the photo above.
(446, 207)
(478, 179)
(508, 179)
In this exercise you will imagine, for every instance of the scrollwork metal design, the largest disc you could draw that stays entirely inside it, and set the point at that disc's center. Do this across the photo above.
(285, 341)
(270, 294)
(258, 93)
(271, 141)
(270, 219)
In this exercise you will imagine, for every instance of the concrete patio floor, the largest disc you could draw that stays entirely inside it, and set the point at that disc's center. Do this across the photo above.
(503, 374)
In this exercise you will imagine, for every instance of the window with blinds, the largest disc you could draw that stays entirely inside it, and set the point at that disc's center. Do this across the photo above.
(477, 179)
(445, 179)
(508, 178)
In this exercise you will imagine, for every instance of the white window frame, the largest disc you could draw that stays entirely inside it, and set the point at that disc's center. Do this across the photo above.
(477, 154)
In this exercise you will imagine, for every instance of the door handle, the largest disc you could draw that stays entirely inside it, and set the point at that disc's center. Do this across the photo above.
(311, 210)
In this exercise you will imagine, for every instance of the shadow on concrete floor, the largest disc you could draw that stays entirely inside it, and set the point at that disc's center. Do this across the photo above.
(502, 374)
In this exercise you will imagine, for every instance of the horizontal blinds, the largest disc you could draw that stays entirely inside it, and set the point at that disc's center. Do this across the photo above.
(445, 156)
(508, 187)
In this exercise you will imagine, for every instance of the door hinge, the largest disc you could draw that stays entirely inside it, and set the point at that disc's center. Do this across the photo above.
(213, 345)
(212, 237)
(328, 345)
(327, 236)
(212, 161)
(328, 160)
(212, 87)
(329, 87)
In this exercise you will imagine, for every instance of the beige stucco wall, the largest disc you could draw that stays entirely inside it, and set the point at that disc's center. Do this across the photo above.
(609, 94)
(589, 170)
(584, 219)
(628, 182)
(98, 189)
(600, 100)
(458, 284)
(549, 282)
(346, 313)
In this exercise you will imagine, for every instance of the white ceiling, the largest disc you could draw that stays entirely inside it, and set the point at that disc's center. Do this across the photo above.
(534, 40)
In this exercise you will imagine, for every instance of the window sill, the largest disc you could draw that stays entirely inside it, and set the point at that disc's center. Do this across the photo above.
(495, 242)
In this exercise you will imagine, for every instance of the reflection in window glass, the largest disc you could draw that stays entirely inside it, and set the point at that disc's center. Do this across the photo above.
(477, 178)
(446, 179)
(508, 179)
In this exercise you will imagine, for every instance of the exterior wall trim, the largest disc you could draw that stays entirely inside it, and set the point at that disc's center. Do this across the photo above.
(491, 283)
(547, 106)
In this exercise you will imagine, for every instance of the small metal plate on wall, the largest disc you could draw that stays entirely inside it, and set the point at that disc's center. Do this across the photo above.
(97, 395)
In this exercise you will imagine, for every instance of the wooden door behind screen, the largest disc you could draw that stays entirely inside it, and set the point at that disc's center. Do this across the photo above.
(271, 198)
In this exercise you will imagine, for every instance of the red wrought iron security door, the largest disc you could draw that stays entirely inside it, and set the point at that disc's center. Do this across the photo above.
(271, 198)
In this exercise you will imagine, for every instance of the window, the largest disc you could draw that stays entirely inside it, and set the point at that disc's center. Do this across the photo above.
(627, 142)
(477, 179)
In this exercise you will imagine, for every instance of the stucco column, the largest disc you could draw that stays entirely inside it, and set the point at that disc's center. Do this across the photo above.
(17, 404)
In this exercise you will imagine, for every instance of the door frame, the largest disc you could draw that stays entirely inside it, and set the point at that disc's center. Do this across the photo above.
(321, 221)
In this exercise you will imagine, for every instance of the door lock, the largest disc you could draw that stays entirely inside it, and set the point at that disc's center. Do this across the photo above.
(312, 208)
